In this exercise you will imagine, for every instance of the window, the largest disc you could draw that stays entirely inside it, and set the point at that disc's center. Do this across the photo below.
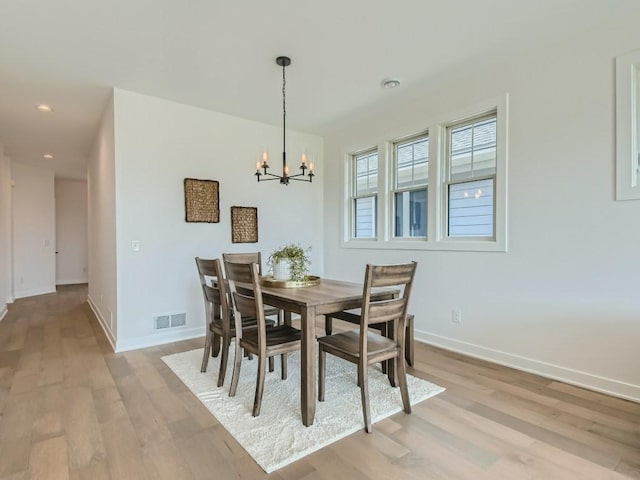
(365, 198)
(471, 172)
(411, 170)
(444, 188)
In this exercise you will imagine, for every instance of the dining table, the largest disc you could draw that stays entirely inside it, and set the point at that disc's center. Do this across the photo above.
(327, 296)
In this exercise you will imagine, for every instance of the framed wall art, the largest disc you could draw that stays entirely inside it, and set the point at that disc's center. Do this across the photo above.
(201, 200)
(244, 224)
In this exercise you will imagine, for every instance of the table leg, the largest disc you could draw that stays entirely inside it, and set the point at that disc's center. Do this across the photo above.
(308, 365)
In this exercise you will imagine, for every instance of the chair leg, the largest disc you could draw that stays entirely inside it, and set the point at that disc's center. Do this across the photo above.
(280, 317)
(283, 366)
(271, 365)
(224, 359)
(328, 324)
(259, 385)
(217, 340)
(402, 380)
(364, 391)
(409, 341)
(237, 362)
(207, 352)
(322, 358)
(384, 365)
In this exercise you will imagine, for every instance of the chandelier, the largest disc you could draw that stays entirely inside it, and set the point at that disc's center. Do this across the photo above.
(262, 166)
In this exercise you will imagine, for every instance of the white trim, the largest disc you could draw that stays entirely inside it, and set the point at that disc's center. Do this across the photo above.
(3, 311)
(627, 162)
(105, 327)
(159, 339)
(73, 281)
(34, 292)
(574, 377)
(10, 300)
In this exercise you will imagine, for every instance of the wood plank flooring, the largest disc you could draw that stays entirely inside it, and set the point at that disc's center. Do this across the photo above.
(72, 409)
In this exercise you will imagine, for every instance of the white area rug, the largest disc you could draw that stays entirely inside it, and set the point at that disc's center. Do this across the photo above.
(277, 437)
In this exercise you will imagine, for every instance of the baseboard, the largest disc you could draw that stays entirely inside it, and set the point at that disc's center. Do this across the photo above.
(10, 300)
(3, 311)
(34, 292)
(159, 339)
(73, 281)
(574, 377)
(107, 331)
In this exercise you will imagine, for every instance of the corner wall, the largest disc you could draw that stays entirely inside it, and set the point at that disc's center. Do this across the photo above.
(101, 194)
(158, 144)
(563, 301)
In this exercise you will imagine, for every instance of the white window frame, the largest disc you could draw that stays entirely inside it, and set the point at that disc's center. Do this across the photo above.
(352, 195)
(627, 133)
(437, 238)
(394, 188)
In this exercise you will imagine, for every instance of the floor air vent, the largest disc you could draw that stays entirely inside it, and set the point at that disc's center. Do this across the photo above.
(174, 320)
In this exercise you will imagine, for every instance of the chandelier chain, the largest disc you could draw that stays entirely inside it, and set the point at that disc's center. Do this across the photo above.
(284, 108)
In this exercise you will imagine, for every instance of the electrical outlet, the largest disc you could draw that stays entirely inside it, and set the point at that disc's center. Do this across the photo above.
(135, 246)
(456, 316)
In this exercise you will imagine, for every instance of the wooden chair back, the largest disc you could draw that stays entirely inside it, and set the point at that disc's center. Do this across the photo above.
(399, 276)
(249, 257)
(246, 294)
(214, 292)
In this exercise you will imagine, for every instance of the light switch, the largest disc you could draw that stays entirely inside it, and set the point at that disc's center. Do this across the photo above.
(135, 245)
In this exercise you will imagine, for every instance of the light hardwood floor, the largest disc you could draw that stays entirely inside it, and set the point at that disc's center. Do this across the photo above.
(71, 408)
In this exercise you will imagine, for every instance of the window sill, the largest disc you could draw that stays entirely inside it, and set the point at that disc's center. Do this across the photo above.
(421, 244)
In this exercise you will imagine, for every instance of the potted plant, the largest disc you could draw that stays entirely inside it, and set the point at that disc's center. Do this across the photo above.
(290, 262)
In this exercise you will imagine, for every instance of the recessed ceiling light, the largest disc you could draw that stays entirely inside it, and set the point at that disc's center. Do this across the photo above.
(47, 155)
(44, 108)
(390, 83)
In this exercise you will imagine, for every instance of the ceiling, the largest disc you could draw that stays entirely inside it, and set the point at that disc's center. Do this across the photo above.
(219, 55)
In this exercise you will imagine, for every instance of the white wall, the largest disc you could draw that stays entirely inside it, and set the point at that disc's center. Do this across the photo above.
(71, 231)
(158, 143)
(33, 217)
(102, 226)
(6, 284)
(563, 301)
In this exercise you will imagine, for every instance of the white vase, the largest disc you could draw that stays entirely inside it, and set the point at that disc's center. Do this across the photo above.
(282, 270)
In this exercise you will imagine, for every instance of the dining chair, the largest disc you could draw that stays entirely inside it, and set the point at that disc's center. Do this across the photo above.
(253, 257)
(364, 347)
(353, 316)
(264, 342)
(220, 325)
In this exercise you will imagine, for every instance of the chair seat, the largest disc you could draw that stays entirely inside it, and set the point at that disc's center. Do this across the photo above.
(353, 316)
(216, 324)
(268, 311)
(349, 343)
(278, 335)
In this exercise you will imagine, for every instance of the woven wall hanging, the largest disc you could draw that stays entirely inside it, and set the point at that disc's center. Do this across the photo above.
(201, 200)
(244, 224)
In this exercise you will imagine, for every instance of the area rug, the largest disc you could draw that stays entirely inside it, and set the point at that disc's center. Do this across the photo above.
(277, 437)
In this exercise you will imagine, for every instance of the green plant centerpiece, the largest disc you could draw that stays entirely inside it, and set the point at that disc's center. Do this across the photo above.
(297, 258)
